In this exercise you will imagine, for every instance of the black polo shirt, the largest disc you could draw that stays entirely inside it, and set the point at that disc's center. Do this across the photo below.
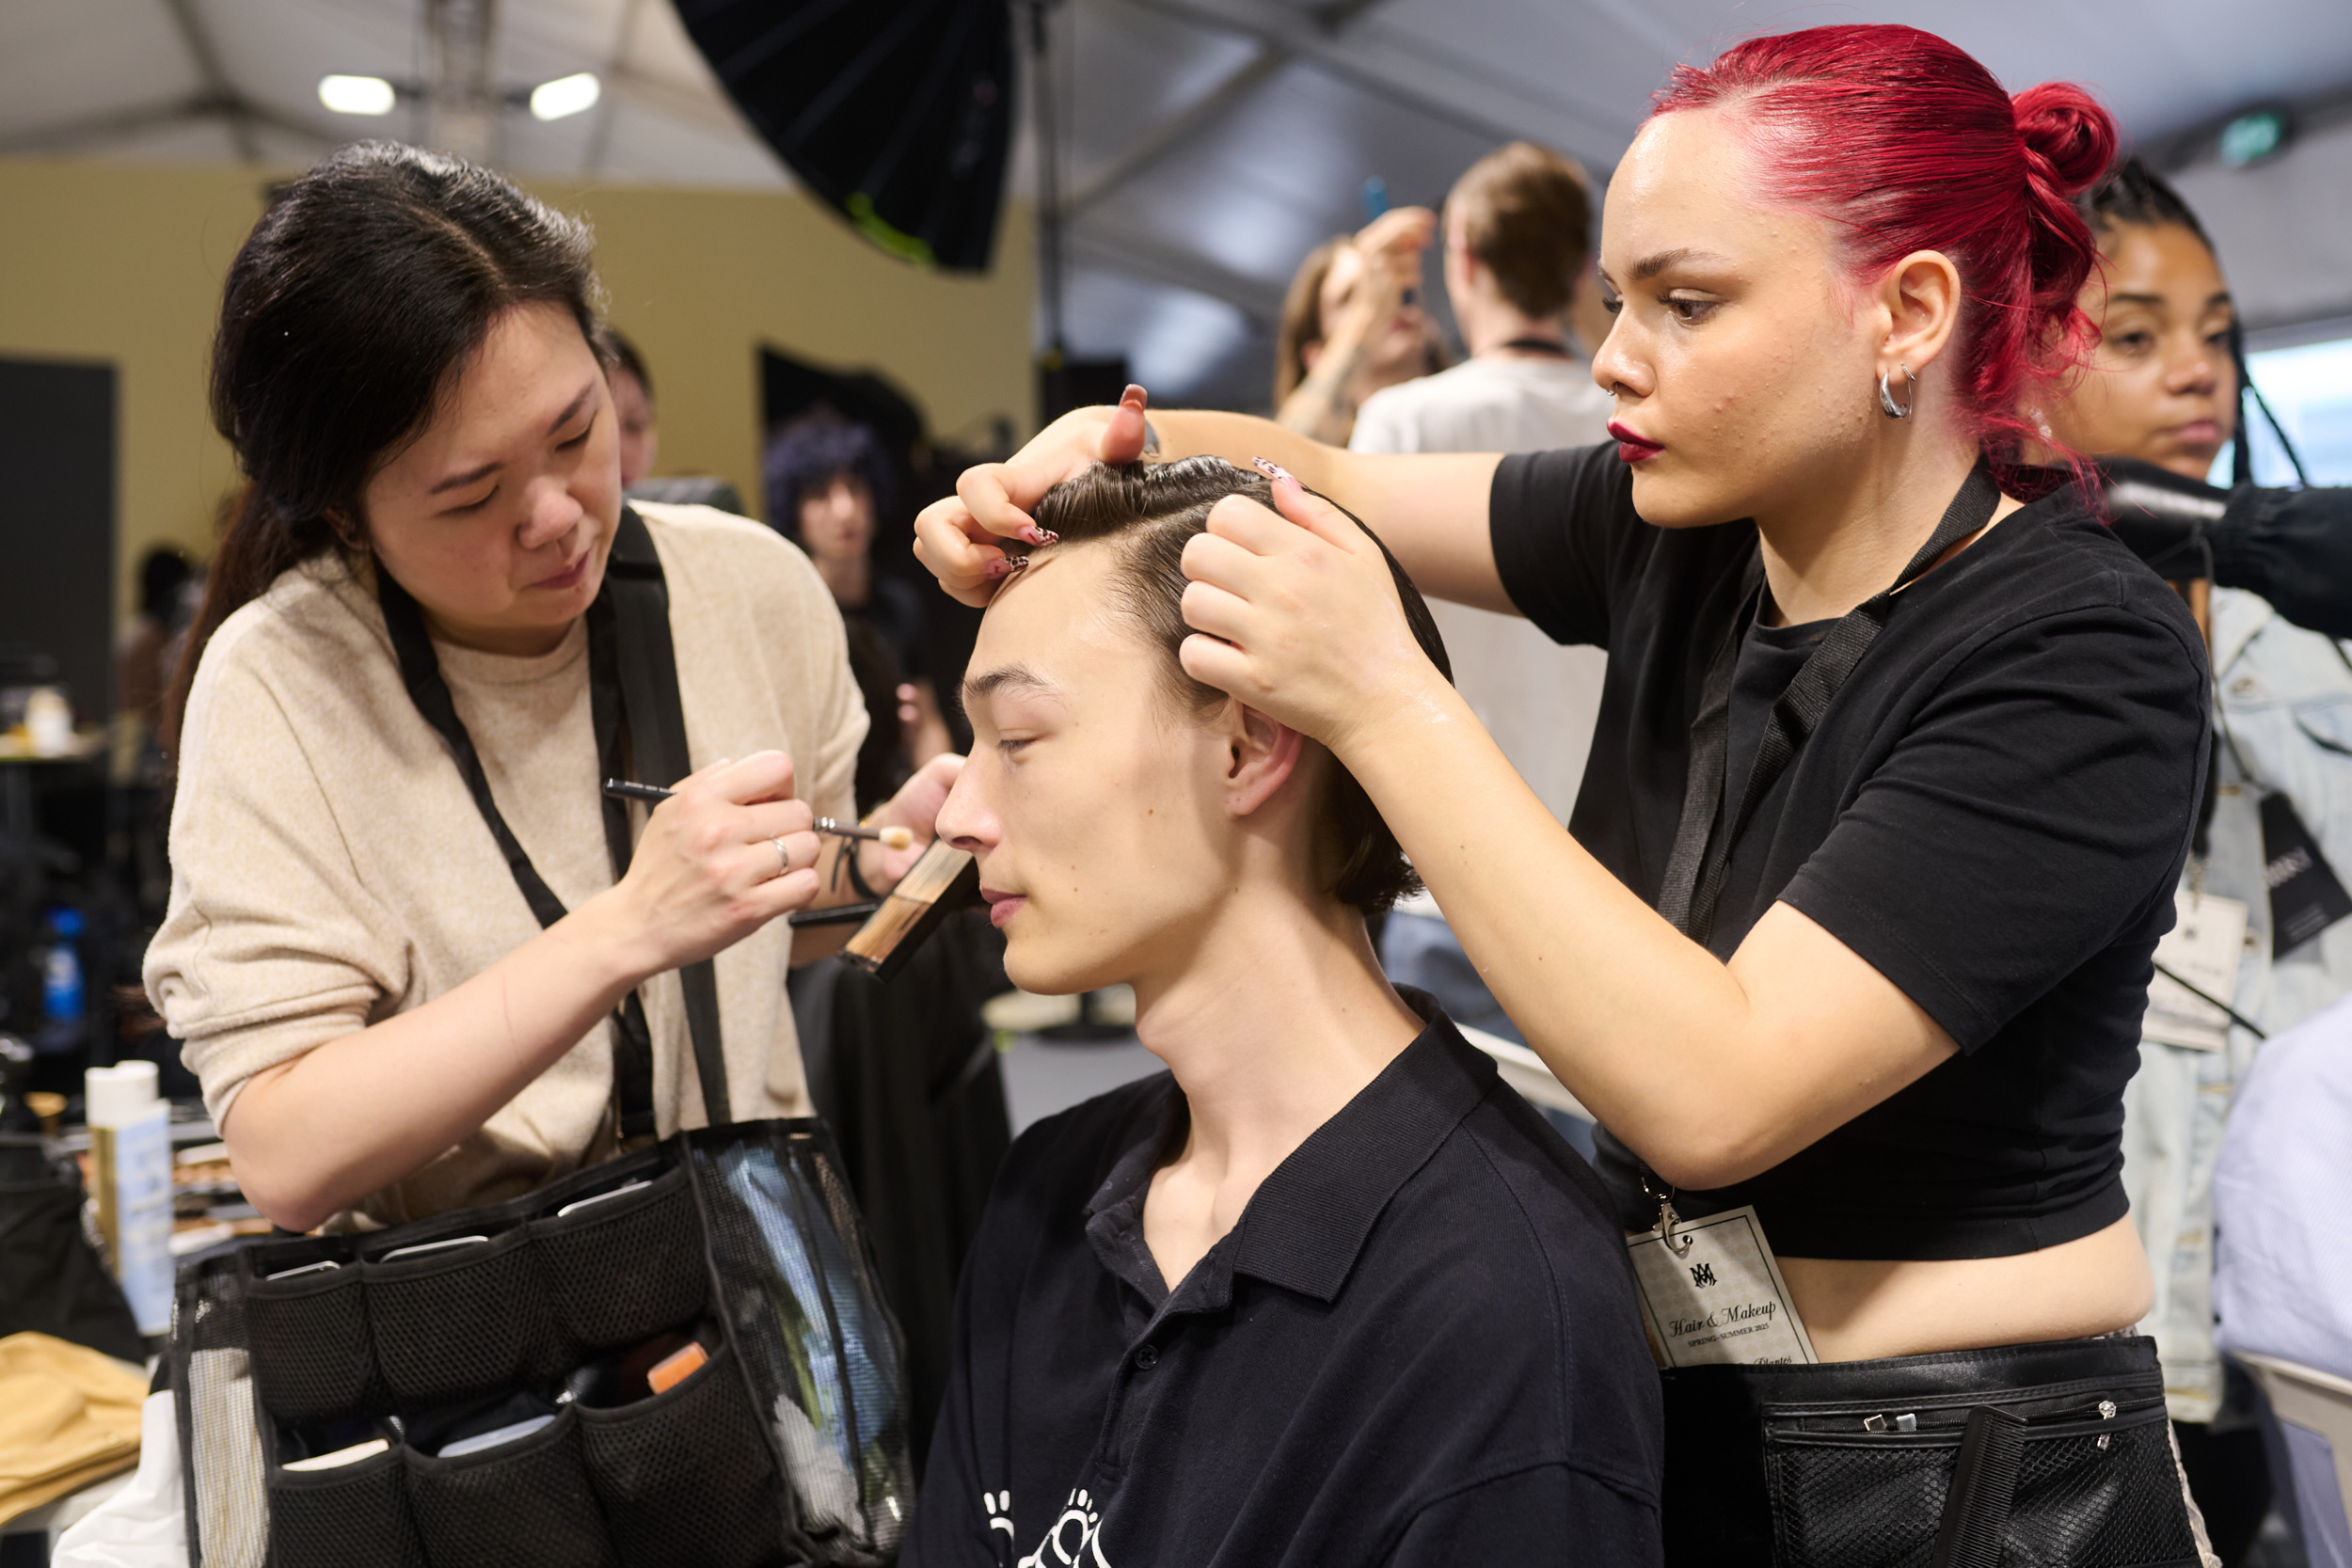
(1992, 814)
(1419, 1345)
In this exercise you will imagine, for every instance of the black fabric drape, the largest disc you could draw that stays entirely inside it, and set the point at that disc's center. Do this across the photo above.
(52, 1281)
(907, 1076)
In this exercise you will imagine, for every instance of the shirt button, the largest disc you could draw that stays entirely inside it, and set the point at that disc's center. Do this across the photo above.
(1147, 1359)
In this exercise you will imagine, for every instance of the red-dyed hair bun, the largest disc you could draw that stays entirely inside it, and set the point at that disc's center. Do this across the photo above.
(1901, 140)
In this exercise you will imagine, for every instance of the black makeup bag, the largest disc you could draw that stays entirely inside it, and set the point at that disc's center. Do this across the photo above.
(489, 1353)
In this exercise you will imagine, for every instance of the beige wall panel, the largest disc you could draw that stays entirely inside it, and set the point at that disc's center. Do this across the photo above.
(107, 262)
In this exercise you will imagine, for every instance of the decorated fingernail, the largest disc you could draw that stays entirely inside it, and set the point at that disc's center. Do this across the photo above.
(1036, 535)
(1006, 567)
(1273, 470)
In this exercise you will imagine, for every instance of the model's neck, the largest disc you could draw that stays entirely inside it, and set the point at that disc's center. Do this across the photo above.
(1491, 323)
(849, 576)
(1850, 533)
(1277, 1017)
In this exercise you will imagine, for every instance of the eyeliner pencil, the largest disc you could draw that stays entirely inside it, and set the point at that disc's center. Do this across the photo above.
(889, 838)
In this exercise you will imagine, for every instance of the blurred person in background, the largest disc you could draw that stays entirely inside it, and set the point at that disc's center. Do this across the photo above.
(828, 479)
(632, 404)
(2162, 392)
(142, 673)
(1517, 229)
(1353, 324)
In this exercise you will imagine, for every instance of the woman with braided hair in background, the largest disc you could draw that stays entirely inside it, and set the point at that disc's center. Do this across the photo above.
(1846, 944)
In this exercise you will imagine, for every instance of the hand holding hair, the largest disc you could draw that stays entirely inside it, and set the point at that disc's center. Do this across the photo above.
(956, 537)
(1299, 615)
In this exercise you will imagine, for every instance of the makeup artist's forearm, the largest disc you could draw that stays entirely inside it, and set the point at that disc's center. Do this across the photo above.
(1429, 508)
(1711, 1071)
(361, 1112)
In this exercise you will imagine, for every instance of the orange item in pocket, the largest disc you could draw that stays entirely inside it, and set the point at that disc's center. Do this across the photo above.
(675, 1368)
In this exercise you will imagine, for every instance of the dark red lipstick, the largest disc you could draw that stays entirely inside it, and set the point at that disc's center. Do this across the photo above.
(1633, 448)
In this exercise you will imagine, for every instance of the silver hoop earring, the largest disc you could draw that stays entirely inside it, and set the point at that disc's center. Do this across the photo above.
(1886, 396)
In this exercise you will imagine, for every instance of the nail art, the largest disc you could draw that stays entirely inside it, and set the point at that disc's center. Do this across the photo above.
(1274, 470)
(1005, 567)
(1036, 535)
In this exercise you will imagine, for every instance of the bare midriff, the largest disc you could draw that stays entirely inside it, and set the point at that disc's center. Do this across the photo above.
(1859, 1310)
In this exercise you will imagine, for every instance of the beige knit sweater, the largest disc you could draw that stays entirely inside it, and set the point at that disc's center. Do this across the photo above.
(329, 869)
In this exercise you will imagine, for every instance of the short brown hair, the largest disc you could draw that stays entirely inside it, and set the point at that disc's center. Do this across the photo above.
(1152, 509)
(1526, 214)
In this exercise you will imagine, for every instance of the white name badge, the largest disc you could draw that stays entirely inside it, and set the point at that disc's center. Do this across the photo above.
(2207, 940)
(1714, 1295)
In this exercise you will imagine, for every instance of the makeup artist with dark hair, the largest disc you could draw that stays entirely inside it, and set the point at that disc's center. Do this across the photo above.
(383, 1029)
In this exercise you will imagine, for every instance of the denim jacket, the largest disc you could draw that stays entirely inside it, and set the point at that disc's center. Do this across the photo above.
(2284, 716)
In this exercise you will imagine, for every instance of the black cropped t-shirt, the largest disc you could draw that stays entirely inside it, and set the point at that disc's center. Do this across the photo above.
(1992, 814)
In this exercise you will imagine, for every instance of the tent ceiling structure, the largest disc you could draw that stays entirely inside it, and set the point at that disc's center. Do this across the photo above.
(1210, 143)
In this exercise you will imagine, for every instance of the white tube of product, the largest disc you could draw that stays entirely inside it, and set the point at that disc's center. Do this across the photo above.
(130, 1129)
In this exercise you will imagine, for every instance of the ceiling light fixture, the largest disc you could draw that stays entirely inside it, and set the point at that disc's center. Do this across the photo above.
(357, 95)
(565, 95)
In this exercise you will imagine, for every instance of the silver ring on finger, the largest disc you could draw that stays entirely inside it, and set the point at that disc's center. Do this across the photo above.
(783, 855)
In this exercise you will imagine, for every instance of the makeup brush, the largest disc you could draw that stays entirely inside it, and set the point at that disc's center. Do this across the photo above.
(889, 838)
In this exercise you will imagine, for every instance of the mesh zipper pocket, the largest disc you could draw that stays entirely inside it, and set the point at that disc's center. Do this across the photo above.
(686, 1477)
(524, 1504)
(1858, 1489)
(355, 1516)
(626, 1268)
(453, 1326)
(312, 1357)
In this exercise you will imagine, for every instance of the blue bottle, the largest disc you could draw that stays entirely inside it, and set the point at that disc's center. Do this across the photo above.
(61, 991)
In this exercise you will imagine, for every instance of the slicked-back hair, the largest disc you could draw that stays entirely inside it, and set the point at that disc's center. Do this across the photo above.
(1149, 511)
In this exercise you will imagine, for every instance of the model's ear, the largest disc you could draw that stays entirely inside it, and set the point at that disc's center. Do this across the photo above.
(1261, 756)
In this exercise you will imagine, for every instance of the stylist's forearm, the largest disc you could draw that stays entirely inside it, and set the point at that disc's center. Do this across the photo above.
(356, 1114)
(1649, 1030)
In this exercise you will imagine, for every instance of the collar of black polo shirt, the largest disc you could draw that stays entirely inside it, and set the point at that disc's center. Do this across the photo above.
(1307, 1223)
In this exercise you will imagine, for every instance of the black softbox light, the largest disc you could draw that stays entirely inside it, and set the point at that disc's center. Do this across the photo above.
(896, 111)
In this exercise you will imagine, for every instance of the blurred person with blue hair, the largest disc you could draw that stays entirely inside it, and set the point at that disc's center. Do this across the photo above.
(828, 481)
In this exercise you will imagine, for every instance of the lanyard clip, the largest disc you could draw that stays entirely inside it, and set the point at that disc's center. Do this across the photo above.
(1667, 1218)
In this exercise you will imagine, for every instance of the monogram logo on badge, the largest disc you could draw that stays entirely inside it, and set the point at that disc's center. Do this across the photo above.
(1702, 1274)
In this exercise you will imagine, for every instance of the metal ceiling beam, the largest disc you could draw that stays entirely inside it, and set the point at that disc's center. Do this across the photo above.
(461, 94)
(600, 136)
(1139, 256)
(1311, 41)
(223, 93)
(1178, 128)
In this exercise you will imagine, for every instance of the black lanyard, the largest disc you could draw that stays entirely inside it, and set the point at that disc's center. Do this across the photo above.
(1703, 844)
(1540, 345)
(640, 733)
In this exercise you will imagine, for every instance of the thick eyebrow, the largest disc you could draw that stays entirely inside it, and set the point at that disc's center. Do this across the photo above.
(980, 687)
(475, 476)
(1650, 266)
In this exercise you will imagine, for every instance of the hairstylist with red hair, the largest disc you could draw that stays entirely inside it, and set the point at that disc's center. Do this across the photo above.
(1895, 771)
